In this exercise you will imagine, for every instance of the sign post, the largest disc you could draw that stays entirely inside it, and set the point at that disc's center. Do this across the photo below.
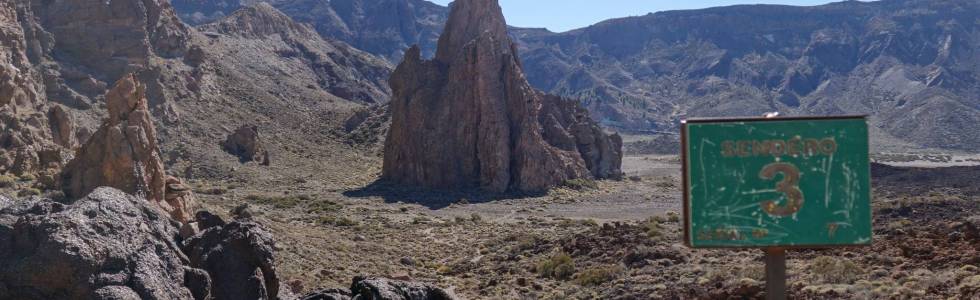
(776, 184)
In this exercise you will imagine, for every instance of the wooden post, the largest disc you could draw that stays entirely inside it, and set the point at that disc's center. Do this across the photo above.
(775, 273)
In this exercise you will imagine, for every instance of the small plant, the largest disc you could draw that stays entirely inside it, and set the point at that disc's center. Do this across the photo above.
(598, 275)
(29, 192)
(421, 220)
(26, 178)
(836, 271)
(559, 266)
(337, 221)
(581, 184)
(7, 181)
(324, 206)
(475, 218)
(673, 217)
(653, 227)
(459, 219)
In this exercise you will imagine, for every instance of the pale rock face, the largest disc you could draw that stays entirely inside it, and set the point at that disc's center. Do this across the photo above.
(469, 118)
(123, 154)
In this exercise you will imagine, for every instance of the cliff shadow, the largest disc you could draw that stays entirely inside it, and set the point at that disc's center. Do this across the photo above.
(434, 199)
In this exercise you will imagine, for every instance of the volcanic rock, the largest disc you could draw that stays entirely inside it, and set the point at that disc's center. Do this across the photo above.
(469, 117)
(247, 145)
(383, 289)
(107, 245)
(123, 154)
(239, 258)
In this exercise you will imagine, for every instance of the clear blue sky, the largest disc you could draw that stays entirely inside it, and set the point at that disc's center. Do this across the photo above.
(563, 15)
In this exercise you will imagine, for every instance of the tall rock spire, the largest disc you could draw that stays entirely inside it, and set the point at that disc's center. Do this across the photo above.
(469, 118)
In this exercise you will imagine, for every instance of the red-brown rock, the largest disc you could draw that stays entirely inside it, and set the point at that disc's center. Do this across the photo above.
(469, 118)
(123, 154)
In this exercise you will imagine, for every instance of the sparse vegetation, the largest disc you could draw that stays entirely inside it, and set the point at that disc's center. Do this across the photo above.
(338, 221)
(7, 181)
(581, 184)
(598, 275)
(281, 202)
(558, 266)
(835, 270)
(654, 227)
(29, 192)
(27, 178)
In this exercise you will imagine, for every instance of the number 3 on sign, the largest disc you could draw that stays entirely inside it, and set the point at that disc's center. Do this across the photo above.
(788, 186)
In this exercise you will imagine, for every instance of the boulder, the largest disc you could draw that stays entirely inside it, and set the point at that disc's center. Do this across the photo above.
(239, 258)
(107, 245)
(469, 117)
(247, 145)
(62, 127)
(123, 154)
(383, 289)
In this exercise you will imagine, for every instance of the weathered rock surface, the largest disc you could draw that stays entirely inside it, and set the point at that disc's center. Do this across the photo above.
(111, 245)
(383, 289)
(469, 117)
(123, 154)
(239, 257)
(247, 145)
(107, 245)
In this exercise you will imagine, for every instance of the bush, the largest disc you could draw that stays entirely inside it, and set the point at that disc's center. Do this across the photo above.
(559, 266)
(338, 221)
(27, 178)
(835, 271)
(29, 192)
(653, 227)
(581, 184)
(673, 217)
(598, 275)
(324, 206)
(7, 181)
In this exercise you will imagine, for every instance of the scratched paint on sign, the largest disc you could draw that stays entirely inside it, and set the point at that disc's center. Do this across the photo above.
(777, 182)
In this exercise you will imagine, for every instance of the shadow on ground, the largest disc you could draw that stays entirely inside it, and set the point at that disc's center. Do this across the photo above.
(432, 198)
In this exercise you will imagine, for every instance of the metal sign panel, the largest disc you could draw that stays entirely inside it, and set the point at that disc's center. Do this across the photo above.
(782, 182)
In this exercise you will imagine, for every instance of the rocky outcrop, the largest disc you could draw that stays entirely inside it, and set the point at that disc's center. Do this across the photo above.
(383, 289)
(107, 245)
(123, 154)
(239, 257)
(111, 245)
(469, 117)
(25, 131)
(247, 145)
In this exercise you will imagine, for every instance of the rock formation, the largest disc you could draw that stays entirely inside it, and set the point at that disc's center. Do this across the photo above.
(111, 245)
(123, 154)
(25, 131)
(470, 118)
(386, 289)
(240, 258)
(107, 245)
(247, 145)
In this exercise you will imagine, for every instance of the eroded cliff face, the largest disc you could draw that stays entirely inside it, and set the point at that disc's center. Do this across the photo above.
(469, 118)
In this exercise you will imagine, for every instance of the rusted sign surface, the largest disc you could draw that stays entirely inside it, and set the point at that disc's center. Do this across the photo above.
(789, 182)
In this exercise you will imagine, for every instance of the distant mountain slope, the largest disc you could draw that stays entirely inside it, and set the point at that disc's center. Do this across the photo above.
(913, 65)
(382, 27)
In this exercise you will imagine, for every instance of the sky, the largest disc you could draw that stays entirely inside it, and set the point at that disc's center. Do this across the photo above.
(564, 15)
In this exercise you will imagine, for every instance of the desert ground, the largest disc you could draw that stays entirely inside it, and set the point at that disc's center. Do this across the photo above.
(597, 240)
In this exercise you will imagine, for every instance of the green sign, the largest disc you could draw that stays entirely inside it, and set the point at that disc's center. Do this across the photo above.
(781, 182)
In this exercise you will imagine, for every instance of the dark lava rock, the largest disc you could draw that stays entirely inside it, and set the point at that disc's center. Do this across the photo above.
(383, 289)
(107, 245)
(239, 257)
